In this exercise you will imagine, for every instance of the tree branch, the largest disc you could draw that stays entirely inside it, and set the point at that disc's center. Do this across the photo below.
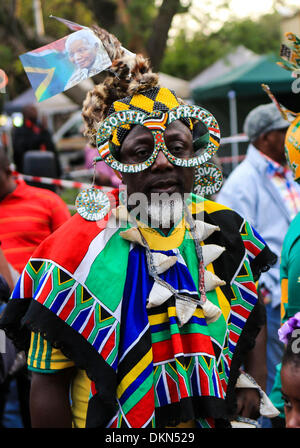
(157, 42)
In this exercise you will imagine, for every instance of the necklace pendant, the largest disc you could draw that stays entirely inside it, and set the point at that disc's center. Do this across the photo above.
(208, 180)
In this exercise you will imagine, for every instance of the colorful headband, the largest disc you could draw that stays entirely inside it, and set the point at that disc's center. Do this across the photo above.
(157, 122)
(286, 330)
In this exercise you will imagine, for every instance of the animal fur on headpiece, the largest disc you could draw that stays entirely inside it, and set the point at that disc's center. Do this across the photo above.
(128, 75)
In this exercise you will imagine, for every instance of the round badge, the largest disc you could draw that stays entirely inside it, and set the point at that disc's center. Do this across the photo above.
(208, 180)
(92, 204)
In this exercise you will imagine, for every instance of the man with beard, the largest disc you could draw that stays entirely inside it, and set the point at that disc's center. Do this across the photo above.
(145, 303)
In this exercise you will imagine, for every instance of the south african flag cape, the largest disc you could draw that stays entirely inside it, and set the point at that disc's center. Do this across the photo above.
(85, 290)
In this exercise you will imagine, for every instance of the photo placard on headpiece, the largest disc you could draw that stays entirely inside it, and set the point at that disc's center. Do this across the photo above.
(58, 66)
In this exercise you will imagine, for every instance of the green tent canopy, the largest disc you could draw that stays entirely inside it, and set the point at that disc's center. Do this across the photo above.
(246, 80)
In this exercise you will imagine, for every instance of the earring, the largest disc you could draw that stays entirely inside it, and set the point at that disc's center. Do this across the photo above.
(92, 203)
(208, 180)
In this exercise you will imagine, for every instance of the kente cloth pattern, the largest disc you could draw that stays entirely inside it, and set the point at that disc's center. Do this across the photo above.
(146, 371)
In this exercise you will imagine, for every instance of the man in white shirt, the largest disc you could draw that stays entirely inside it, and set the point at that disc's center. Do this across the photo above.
(262, 190)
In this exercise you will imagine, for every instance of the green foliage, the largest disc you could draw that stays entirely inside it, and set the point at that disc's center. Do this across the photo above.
(73, 10)
(187, 57)
(12, 67)
(76, 11)
(132, 22)
(146, 12)
(18, 33)
(6, 57)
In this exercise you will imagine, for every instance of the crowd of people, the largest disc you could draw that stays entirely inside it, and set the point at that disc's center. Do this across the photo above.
(152, 307)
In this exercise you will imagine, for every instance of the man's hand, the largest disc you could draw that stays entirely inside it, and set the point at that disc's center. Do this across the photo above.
(248, 401)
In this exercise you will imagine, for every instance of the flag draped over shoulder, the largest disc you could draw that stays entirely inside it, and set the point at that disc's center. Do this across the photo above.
(86, 290)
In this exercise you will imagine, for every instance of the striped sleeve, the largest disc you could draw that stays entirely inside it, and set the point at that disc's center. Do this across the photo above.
(259, 254)
(44, 358)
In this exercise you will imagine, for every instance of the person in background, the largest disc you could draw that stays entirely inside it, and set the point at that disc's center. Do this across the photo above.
(32, 135)
(7, 271)
(263, 191)
(8, 352)
(135, 323)
(290, 264)
(27, 216)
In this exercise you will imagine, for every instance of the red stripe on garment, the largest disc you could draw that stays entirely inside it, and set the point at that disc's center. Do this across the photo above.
(241, 311)
(28, 285)
(185, 343)
(89, 326)
(196, 343)
(182, 386)
(173, 389)
(140, 414)
(68, 307)
(204, 383)
(211, 422)
(224, 385)
(252, 248)
(251, 286)
(114, 423)
(220, 386)
(234, 337)
(162, 351)
(109, 345)
(93, 388)
(46, 290)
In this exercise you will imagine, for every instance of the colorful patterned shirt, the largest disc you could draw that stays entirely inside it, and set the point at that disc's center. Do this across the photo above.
(146, 369)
